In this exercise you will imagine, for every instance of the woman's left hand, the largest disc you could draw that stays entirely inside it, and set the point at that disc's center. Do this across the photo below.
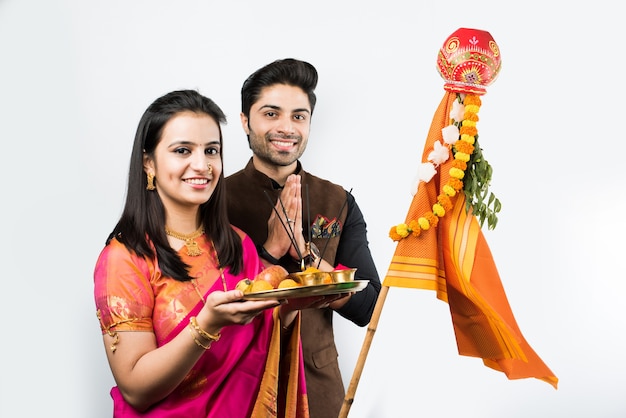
(227, 308)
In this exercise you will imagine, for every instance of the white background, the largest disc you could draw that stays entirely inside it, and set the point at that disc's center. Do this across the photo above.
(75, 77)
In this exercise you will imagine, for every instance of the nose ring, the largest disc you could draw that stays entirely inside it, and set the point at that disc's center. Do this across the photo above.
(210, 168)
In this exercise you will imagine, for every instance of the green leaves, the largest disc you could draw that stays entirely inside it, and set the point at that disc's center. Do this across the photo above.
(484, 204)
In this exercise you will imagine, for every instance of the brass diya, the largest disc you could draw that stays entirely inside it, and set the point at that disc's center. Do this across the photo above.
(316, 278)
(341, 276)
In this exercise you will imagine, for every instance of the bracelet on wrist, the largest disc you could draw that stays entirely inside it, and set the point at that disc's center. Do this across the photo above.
(266, 256)
(198, 342)
(193, 326)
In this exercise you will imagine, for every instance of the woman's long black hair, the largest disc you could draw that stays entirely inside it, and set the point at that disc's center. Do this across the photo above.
(142, 224)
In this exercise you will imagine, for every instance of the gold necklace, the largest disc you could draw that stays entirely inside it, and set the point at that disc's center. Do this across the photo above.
(192, 246)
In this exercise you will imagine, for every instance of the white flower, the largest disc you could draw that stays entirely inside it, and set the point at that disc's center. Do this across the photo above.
(450, 134)
(426, 171)
(439, 154)
(458, 111)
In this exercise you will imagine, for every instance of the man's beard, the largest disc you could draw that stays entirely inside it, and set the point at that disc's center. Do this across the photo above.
(276, 157)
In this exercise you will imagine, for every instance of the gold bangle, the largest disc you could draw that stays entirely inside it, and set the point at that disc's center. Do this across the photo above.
(198, 343)
(203, 333)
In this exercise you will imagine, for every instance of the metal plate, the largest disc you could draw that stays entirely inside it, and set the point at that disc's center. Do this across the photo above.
(305, 291)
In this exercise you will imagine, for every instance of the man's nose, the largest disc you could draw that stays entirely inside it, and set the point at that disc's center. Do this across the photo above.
(285, 125)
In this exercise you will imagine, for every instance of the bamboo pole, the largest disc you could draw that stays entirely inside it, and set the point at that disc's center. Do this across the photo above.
(358, 369)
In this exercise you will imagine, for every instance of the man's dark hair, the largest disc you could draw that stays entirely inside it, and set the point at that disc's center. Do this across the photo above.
(289, 71)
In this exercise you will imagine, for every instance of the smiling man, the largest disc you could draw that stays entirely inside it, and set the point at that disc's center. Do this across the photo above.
(273, 194)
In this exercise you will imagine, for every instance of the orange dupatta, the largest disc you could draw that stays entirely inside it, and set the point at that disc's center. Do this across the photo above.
(269, 403)
(454, 259)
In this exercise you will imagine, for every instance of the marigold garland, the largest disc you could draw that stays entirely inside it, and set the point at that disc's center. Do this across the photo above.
(462, 151)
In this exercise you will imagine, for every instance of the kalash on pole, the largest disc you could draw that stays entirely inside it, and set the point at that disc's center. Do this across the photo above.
(440, 244)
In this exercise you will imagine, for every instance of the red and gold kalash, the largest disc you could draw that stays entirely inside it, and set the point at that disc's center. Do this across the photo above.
(469, 61)
(441, 246)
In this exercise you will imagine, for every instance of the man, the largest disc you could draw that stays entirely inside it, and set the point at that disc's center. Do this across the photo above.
(277, 103)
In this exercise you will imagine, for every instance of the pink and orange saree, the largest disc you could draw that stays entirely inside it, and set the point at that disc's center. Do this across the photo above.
(240, 375)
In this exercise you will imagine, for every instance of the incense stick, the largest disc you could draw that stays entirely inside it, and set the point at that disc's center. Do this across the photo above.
(290, 233)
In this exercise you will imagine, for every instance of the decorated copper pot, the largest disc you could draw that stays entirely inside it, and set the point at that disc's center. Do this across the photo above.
(469, 61)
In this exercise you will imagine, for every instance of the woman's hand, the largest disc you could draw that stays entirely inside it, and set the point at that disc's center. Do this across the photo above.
(228, 308)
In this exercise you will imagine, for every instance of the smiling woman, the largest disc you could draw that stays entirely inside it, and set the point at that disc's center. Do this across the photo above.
(186, 164)
(166, 284)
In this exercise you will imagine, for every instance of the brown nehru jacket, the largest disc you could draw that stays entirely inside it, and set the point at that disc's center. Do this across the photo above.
(249, 208)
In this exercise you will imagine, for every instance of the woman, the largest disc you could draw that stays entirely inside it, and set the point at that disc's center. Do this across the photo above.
(179, 339)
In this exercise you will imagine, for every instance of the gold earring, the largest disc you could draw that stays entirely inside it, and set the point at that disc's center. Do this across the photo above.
(210, 168)
(150, 185)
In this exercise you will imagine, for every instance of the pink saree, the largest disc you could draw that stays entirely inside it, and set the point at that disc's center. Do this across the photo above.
(239, 376)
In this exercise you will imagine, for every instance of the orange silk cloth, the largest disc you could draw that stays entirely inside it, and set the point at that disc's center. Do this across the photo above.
(454, 260)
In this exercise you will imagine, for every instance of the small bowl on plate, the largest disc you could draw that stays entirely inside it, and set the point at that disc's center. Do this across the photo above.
(316, 278)
(341, 276)
(311, 278)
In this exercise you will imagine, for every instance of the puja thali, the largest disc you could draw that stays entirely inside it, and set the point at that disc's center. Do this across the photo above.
(306, 291)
